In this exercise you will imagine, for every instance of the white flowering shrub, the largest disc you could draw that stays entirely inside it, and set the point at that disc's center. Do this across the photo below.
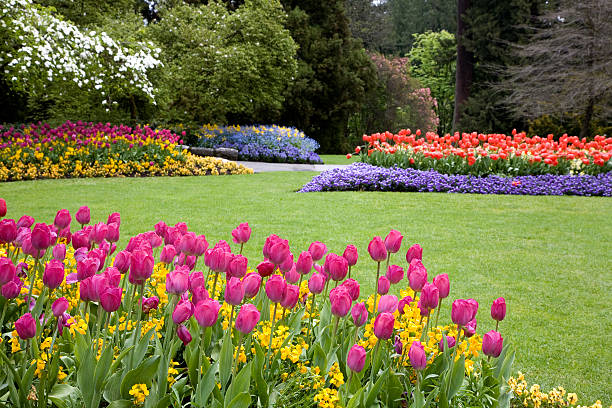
(39, 49)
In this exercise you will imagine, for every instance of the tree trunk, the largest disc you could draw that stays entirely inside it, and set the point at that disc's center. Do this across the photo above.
(586, 122)
(465, 64)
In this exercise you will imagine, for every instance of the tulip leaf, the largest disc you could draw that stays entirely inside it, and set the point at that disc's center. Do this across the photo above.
(375, 390)
(112, 391)
(355, 400)
(206, 385)
(102, 367)
(120, 358)
(262, 386)
(141, 348)
(139, 375)
(242, 400)
(296, 322)
(225, 359)
(239, 383)
(318, 358)
(85, 374)
(456, 377)
(61, 393)
(121, 404)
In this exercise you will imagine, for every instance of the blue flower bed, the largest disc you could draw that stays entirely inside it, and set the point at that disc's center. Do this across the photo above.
(365, 177)
(262, 143)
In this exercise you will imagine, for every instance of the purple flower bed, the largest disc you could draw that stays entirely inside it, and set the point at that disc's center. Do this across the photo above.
(365, 177)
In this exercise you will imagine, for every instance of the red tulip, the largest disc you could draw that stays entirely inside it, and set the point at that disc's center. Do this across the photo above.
(187, 243)
(377, 249)
(25, 221)
(415, 252)
(207, 312)
(418, 358)
(450, 342)
(198, 294)
(41, 237)
(201, 245)
(98, 233)
(492, 344)
(8, 231)
(87, 268)
(279, 251)
(112, 232)
(405, 301)
(355, 359)
(11, 290)
(287, 264)
(122, 261)
(247, 318)
(461, 312)
(2, 207)
(292, 276)
(383, 326)
(149, 304)
(470, 329)
(265, 269)
(393, 241)
(270, 241)
(114, 218)
(59, 252)
(80, 239)
(218, 260)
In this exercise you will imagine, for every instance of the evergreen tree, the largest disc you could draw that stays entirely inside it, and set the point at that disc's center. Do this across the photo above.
(371, 23)
(334, 72)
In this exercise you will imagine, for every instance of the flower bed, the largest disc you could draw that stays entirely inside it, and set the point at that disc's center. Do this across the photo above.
(169, 320)
(365, 177)
(84, 149)
(482, 155)
(262, 143)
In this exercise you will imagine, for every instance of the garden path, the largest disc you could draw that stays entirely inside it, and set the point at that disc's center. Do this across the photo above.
(262, 167)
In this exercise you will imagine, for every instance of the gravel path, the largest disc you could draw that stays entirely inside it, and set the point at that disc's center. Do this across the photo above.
(262, 167)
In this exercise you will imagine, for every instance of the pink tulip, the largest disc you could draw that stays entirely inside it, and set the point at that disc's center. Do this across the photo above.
(351, 255)
(461, 312)
(114, 218)
(336, 266)
(8, 231)
(172, 236)
(87, 268)
(2, 207)
(187, 243)
(317, 250)
(83, 215)
(7, 271)
(470, 329)
(383, 285)
(196, 279)
(53, 276)
(122, 261)
(418, 358)
(41, 237)
(242, 233)
(98, 233)
(218, 260)
(26, 326)
(59, 252)
(393, 241)
(168, 254)
(395, 273)
(80, 239)
(417, 275)
(443, 284)
(383, 326)
(201, 245)
(177, 281)
(498, 309)
(60, 306)
(304, 263)
(430, 296)
(150, 303)
(24, 221)
(422, 309)
(182, 227)
(292, 294)
(252, 283)
(415, 252)
(238, 266)
(450, 342)
(98, 254)
(340, 301)
(473, 306)
(141, 267)
(111, 299)
(62, 219)
(152, 238)
(387, 304)
(492, 344)
(207, 312)
(234, 291)
(359, 313)
(377, 249)
(292, 276)
(186, 260)
(398, 345)
(270, 240)
(198, 294)
(275, 288)
(112, 232)
(353, 288)
(11, 290)
(183, 334)
(182, 312)
(405, 301)
(316, 283)
(279, 251)
(355, 359)
(247, 318)
(287, 264)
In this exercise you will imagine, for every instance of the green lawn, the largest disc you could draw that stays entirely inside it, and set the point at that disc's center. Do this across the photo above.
(338, 159)
(550, 257)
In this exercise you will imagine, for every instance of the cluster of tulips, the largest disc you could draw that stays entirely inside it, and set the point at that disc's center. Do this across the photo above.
(90, 325)
(483, 154)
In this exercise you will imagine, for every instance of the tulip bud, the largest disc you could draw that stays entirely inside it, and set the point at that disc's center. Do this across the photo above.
(336, 266)
(177, 281)
(292, 294)
(377, 249)
(122, 261)
(287, 264)
(387, 304)
(393, 241)
(383, 285)
(470, 329)
(492, 344)
(207, 312)
(183, 333)
(8, 231)
(247, 318)
(398, 345)
(114, 218)
(352, 286)
(252, 283)
(316, 283)
(355, 359)
(201, 245)
(351, 255)
(53, 276)
(473, 307)
(82, 215)
(2, 207)
(430, 296)
(242, 233)
(218, 260)
(7, 271)
(418, 358)
(442, 283)
(62, 219)
(498, 309)
(415, 252)
(111, 299)
(98, 233)
(304, 263)
(383, 326)
(450, 342)
(461, 312)
(196, 279)
(26, 326)
(275, 288)
(417, 275)
(60, 306)
(182, 312)
(234, 291)
(238, 266)
(187, 243)
(359, 313)
(317, 250)
(395, 273)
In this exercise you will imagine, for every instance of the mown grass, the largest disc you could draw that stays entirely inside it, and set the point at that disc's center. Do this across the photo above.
(550, 257)
(338, 159)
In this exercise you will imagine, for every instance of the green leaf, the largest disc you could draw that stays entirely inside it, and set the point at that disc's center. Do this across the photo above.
(121, 404)
(141, 348)
(457, 376)
(62, 393)
(355, 400)
(206, 386)
(225, 359)
(319, 358)
(261, 385)
(112, 390)
(242, 400)
(241, 382)
(119, 358)
(102, 367)
(140, 375)
(375, 390)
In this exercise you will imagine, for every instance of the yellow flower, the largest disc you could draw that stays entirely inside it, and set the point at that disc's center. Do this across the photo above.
(139, 392)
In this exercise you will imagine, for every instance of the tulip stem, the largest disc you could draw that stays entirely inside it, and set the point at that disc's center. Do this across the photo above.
(235, 370)
(129, 311)
(497, 326)
(3, 313)
(438, 311)
(374, 359)
(424, 332)
(137, 332)
(31, 279)
(105, 331)
(376, 286)
(271, 334)
(335, 330)
(214, 287)
(231, 319)
(241, 246)
(310, 313)
(349, 276)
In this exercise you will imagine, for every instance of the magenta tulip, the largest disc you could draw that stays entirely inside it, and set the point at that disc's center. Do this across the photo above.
(168, 254)
(83, 215)
(53, 276)
(279, 251)
(8, 231)
(60, 306)
(234, 291)
(252, 283)
(26, 326)
(98, 254)
(470, 329)
(383, 285)
(7, 271)
(351, 255)
(112, 232)
(287, 264)
(141, 267)
(461, 312)
(62, 219)
(292, 276)
(443, 284)
(359, 313)
(377, 249)
(196, 279)
(430, 296)
(114, 218)
(387, 304)
(11, 290)
(422, 309)
(111, 299)
(187, 243)
(450, 342)
(417, 275)
(395, 273)
(317, 250)
(182, 312)
(304, 263)
(177, 281)
(340, 301)
(405, 301)
(353, 288)
(355, 359)
(150, 303)
(59, 252)
(492, 344)
(2, 207)
(207, 312)
(122, 261)
(201, 245)
(473, 306)
(275, 288)
(383, 326)
(242, 233)
(25, 221)
(398, 345)
(316, 283)
(98, 233)
(418, 358)
(247, 318)
(80, 239)
(393, 241)
(265, 269)
(498, 309)
(292, 294)
(183, 334)
(238, 266)
(199, 293)
(415, 252)
(41, 236)
(336, 266)
(87, 268)
(217, 260)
